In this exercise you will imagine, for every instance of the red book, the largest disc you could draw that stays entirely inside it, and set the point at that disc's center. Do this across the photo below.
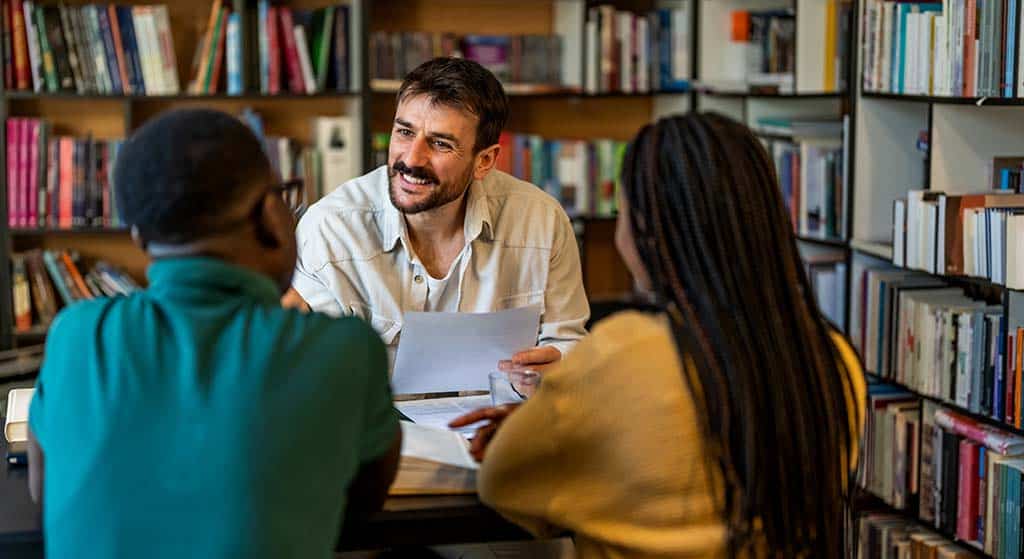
(295, 82)
(23, 175)
(967, 506)
(970, 24)
(20, 46)
(504, 163)
(273, 52)
(32, 186)
(66, 182)
(218, 50)
(12, 170)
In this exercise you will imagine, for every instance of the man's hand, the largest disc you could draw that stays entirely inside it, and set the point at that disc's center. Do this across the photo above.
(483, 436)
(292, 300)
(539, 359)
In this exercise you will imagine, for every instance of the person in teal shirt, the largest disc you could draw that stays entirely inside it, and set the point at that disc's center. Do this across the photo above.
(199, 418)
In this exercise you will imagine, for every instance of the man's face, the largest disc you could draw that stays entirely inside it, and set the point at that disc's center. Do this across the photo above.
(430, 157)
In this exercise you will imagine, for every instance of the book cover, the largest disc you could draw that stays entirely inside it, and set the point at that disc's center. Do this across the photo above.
(109, 50)
(94, 37)
(340, 65)
(132, 55)
(302, 48)
(20, 294)
(31, 188)
(46, 60)
(34, 53)
(322, 46)
(57, 277)
(121, 64)
(291, 53)
(216, 53)
(233, 54)
(23, 79)
(85, 61)
(165, 49)
(43, 297)
(9, 80)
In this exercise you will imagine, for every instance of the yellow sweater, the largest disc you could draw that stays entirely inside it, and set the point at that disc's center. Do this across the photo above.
(609, 449)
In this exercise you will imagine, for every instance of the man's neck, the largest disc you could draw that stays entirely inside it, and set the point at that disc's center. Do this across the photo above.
(438, 235)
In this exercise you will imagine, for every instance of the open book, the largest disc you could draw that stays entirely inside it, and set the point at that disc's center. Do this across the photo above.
(16, 424)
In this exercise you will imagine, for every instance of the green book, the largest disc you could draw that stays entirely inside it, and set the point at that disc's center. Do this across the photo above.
(322, 46)
(45, 52)
(212, 57)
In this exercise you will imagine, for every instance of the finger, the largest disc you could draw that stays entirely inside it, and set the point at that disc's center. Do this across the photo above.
(481, 440)
(537, 356)
(506, 365)
(474, 416)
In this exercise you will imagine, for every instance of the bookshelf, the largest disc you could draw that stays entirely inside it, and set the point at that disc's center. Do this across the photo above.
(936, 136)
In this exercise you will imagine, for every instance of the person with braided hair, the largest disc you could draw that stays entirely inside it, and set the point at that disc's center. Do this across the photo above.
(727, 424)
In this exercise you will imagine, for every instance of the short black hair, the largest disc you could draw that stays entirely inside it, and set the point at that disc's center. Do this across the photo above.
(180, 174)
(465, 84)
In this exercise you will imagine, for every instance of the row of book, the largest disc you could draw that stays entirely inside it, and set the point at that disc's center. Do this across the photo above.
(582, 174)
(58, 181)
(953, 48)
(960, 477)
(761, 50)
(637, 53)
(270, 48)
(43, 281)
(811, 170)
(976, 235)
(941, 343)
(89, 49)
(884, 535)
(520, 59)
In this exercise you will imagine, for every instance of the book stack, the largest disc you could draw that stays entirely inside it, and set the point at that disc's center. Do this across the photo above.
(324, 163)
(940, 343)
(58, 181)
(888, 536)
(972, 474)
(582, 174)
(827, 274)
(270, 48)
(628, 52)
(513, 59)
(91, 49)
(888, 456)
(811, 171)
(44, 281)
(976, 235)
(956, 48)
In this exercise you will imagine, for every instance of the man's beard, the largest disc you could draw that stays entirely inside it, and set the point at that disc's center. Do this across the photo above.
(440, 194)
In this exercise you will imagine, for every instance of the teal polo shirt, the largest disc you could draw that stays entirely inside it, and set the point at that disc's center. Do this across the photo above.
(198, 418)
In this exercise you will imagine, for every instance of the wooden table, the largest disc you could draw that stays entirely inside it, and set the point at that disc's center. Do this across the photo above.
(405, 521)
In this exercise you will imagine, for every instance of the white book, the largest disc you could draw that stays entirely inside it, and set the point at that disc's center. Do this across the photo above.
(957, 82)
(940, 56)
(16, 424)
(931, 216)
(899, 224)
(34, 55)
(337, 140)
(681, 43)
(1014, 251)
(915, 213)
(925, 64)
(233, 56)
(165, 49)
(995, 233)
(593, 54)
(142, 20)
(885, 75)
(643, 84)
(1020, 53)
(307, 68)
(940, 236)
(624, 33)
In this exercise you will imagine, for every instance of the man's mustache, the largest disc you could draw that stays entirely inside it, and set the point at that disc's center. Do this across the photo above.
(420, 173)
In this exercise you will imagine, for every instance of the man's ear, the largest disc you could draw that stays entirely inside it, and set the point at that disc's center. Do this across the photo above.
(485, 161)
(270, 227)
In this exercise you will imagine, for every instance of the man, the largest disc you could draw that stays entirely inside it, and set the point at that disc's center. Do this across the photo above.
(439, 229)
(198, 418)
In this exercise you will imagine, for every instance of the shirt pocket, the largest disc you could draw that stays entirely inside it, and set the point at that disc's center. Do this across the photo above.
(528, 299)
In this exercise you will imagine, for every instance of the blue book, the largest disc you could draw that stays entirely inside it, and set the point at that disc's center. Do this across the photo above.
(131, 49)
(519, 162)
(999, 385)
(233, 56)
(109, 52)
(263, 8)
(552, 152)
(982, 491)
(58, 279)
(899, 47)
(1011, 51)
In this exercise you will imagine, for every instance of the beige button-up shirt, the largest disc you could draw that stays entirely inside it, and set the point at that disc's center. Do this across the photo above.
(355, 258)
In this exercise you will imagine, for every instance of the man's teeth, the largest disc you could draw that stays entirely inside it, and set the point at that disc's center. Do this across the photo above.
(414, 180)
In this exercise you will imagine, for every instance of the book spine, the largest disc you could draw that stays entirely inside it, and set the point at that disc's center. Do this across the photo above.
(50, 261)
(71, 47)
(66, 183)
(12, 170)
(145, 49)
(217, 53)
(85, 64)
(340, 54)
(21, 62)
(49, 68)
(119, 56)
(25, 128)
(78, 184)
(275, 50)
(165, 43)
(1009, 49)
(234, 55)
(133, 59)
(34, 54)
(109, 50)
(93, 35)
(302, 49)
(323, 50)
(291, 54)
(6, 7)
(32, 186)
(262, 30)
(20, 294)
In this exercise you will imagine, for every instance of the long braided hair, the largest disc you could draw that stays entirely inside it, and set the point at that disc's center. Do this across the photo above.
(770, 390)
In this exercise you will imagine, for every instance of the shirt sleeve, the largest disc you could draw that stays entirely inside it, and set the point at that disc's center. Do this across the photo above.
(307, 279)
(565, 303)
(381, 418)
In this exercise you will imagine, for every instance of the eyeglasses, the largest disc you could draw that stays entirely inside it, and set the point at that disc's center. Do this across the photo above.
(293, 195)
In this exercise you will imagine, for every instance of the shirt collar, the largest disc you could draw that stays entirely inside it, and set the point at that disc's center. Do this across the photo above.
(210, 275)
(478, 223)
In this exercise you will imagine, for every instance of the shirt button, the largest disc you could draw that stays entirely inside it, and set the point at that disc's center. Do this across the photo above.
(418, 279)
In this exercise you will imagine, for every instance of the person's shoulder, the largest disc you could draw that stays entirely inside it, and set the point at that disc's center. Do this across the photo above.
(347, 220)
(629, 336)
(330, 337)
(363, 193)
(517, 193)
(85, 315)
(513, 202)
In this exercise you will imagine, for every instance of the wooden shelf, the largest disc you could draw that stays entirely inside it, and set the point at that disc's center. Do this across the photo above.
(390, 87)
(28, 232)
(766, 95)
(17, 95)
(980, 101)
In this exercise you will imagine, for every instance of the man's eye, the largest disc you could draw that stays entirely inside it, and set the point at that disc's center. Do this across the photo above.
(442, 146)
(405, 132)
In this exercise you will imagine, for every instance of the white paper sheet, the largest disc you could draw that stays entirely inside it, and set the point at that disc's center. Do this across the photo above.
(437, 412)
(453, 352)
(437, 445)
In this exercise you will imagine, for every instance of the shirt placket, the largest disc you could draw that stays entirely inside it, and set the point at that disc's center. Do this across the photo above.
(418, 287)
